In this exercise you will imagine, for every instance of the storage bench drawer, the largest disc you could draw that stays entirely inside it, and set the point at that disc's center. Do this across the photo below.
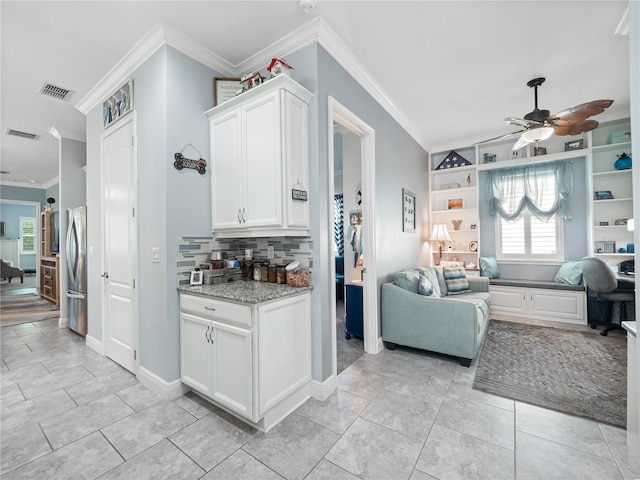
(215, 309)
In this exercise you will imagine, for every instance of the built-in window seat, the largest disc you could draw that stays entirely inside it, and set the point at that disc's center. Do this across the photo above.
(539, 299)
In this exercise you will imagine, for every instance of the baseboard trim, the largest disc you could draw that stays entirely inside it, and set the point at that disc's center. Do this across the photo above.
(166, 390)
(322, 390)
(63, 322)
(94, 344)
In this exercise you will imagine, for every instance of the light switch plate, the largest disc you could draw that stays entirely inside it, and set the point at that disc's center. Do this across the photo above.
(155, 254)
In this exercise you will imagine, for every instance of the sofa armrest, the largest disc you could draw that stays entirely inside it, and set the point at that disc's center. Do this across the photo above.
(478, 284)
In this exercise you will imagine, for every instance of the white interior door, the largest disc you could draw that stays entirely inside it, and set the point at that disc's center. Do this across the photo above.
(120, 245)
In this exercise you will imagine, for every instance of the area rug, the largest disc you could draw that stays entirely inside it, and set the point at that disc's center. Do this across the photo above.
(578, 373)
(18, 309)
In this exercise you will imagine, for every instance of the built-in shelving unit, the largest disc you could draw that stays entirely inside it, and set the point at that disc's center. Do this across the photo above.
(49, 261)
(600, 148)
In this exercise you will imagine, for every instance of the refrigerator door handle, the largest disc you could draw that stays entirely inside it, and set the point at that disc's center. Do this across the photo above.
(75, 295)
(68, 248)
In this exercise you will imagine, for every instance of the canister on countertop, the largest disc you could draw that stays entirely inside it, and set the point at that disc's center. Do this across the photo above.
(281, 274)
(257, 272)
(297, 276)
(273, 278)
(264, 272)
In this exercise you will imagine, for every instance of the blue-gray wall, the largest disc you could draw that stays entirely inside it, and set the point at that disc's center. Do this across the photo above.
(171, 94)
(11, 213)
(53, 192)
(575, 230)
(10, 192)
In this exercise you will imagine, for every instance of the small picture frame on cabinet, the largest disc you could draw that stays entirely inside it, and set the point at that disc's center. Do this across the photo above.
(196, 277)
(537, 151)
(574, 145)
(603, 195)
(225, 89)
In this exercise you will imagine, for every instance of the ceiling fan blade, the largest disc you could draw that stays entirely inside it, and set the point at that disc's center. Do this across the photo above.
(521, 122)
(576, 128)
(588, 109)
(499, 137)
(571, 118)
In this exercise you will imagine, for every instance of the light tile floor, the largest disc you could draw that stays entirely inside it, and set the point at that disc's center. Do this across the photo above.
(68, 413)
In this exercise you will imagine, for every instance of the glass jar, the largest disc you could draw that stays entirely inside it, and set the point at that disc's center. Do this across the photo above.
(264, 273)
(272, 274)
(281, 274)
(257, 273)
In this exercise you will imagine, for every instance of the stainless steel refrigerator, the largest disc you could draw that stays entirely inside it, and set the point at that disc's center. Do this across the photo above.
(76, 251)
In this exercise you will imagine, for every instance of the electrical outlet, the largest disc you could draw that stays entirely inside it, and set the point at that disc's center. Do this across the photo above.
(155, 254)
(270, 253)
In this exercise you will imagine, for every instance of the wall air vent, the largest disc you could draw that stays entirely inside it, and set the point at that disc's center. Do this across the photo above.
(53, 91)
(18, 133)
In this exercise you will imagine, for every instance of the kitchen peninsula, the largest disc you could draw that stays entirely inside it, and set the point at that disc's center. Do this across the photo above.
(246, 347)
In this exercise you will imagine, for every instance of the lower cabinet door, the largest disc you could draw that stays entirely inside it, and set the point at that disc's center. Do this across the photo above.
(232, 368)
(195, 352)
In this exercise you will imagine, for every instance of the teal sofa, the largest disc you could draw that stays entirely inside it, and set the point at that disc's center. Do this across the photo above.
(449, 324)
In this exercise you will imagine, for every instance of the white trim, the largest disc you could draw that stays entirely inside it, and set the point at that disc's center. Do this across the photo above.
(338, 113)
(94, 344)
(50, 183)
(63, 322)
(317, 30)
(11, 183)
(323, 390)
(159, 36)
(162, 388)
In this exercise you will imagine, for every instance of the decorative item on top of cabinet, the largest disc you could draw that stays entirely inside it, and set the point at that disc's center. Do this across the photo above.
(259, 154)
(225, 89)
(279, 66)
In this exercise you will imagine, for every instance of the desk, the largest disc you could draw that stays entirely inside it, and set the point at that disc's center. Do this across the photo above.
(599, 312)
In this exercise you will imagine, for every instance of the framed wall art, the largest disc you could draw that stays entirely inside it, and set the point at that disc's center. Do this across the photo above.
(453, 203)
(225, 89)
(118, 104)
(408, 211)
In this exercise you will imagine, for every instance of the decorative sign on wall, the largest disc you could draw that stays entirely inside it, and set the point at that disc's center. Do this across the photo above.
(299, 193)
(118, 104)
(225, 89)
(408, 211)
(183, 162)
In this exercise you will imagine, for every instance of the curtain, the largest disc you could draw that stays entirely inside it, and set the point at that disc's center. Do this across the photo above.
(338, 223)
(542, 189)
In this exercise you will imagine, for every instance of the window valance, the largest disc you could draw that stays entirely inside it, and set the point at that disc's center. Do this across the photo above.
(542, 189)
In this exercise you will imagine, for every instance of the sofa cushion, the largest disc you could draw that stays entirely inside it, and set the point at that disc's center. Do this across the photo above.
(425, 287)
(441, 281)
(456, 279)
(569, 273)
(489, 267)
(407, 280)
(482, 301)
(430, 273)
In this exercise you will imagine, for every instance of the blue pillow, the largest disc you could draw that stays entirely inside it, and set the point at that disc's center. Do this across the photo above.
(425, 287)
(407, 280)
(456, 279)
(430, 273)
(570, 273)
(489, 267)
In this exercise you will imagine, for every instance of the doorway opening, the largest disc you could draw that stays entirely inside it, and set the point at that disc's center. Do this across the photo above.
(359, 253)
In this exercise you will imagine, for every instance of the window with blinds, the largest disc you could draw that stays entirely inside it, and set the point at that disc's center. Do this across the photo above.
(27, 235)
(528, 238)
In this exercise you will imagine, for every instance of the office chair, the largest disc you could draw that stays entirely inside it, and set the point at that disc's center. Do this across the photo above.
(601, 280)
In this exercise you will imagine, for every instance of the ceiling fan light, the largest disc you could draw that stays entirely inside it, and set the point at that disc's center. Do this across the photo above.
(537, 134)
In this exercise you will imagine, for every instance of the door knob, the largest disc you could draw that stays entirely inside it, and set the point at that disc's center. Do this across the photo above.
(105, 275)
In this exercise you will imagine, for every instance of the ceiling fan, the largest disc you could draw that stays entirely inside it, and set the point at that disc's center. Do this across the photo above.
(540, 125)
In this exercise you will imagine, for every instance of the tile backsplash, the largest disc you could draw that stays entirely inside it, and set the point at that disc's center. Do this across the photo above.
(192, 251)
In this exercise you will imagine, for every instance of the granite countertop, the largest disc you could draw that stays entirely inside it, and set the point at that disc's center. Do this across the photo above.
(630, 327)
(248, 292)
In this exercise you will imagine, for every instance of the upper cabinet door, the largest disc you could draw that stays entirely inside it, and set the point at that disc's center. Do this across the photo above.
(263, 162)
(226, 171)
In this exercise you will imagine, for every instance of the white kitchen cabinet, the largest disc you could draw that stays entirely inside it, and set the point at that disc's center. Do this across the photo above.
(566, 306)
(252, 360)
(259, 155)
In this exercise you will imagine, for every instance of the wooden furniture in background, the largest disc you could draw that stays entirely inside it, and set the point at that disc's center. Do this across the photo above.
(49, 261)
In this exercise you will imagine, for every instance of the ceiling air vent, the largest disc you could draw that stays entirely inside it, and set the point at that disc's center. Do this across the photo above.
(53, 91)
(18, 133)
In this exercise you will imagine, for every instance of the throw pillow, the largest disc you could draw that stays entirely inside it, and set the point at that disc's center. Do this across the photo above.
(430, 273)
(489, 267)
(425, 287)
(408, 280)
(570, 273)
(456, 279)
(441, 281)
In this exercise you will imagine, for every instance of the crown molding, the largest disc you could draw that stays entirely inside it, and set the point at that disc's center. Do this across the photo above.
(60, 135)
(334, 45)
(316, 30)
(50, 183)
(10, 183)
(159, 36)
(303, 36)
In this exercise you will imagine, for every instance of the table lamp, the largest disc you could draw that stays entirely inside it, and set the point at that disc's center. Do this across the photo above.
(440, 234)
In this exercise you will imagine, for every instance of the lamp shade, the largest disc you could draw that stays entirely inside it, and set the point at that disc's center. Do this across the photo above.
(537, 134)
(439, 233)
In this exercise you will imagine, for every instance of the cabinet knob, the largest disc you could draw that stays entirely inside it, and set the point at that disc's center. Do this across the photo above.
(239, 219)
(243, 219)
